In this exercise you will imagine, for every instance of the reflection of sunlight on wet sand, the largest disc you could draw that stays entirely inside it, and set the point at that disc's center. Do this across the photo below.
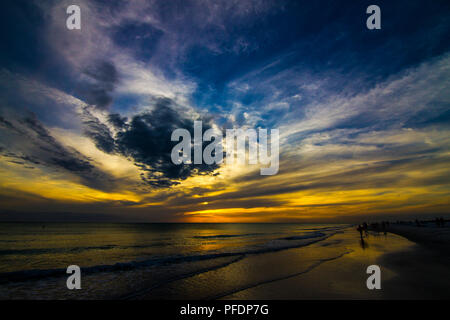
(333, 268)
(341, 278)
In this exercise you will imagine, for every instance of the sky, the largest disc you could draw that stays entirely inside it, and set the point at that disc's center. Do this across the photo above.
(86, 115)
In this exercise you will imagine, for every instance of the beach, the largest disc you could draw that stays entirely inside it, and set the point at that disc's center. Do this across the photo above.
(332, 269)
(409, 270)
(221, 261)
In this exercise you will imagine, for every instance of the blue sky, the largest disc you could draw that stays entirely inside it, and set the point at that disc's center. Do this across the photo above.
(344, 97)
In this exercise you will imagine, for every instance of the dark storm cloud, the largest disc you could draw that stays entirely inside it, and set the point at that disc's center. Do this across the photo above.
(98, 132)
(6, 123)
(117, 121)
(102, 78)
(18, 157)
(146, 140)
(42, 133)
(73, 164)
(29, 142)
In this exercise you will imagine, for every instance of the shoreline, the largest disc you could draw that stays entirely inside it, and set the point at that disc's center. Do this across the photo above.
(412, 262)
(331, 269)
(409, 271)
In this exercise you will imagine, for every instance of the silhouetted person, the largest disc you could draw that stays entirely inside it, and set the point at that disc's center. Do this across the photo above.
(362, 243)
(360, 229)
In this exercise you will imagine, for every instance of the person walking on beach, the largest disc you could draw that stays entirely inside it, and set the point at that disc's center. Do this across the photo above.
(360, 229)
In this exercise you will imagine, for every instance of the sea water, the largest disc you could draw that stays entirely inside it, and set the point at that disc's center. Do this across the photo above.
(120, 260)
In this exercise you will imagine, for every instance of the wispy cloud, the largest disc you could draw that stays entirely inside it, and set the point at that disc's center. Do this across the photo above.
(363, 116)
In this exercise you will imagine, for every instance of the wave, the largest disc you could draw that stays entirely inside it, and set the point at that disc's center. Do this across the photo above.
(219, 236)
(332, 228)
(306, 236)
(270, 246)
(74, 249)
(14, 241)
(52, 250)
(138, 293)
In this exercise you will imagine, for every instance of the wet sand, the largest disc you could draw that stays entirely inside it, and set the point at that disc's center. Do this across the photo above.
(331, 269)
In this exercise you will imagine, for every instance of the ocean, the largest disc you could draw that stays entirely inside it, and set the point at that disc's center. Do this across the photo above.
(126, 261)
